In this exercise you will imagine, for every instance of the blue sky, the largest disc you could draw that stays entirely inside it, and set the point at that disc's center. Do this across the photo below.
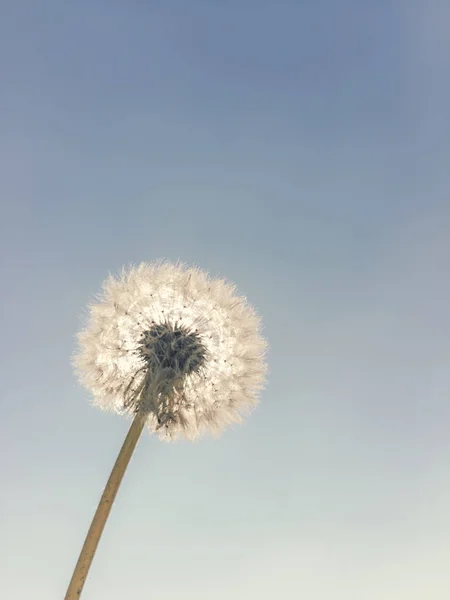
(301, 150)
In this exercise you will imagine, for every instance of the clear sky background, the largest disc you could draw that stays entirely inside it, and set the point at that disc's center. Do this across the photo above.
(301, 149)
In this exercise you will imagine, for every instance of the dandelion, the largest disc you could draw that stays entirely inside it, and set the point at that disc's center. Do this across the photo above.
(179, 352)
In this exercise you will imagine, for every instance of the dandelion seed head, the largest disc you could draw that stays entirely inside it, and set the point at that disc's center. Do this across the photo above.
(171, 342)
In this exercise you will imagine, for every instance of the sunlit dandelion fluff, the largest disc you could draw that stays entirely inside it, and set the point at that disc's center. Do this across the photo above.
(171, 342)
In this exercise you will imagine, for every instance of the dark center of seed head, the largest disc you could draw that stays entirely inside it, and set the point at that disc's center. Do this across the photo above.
(172, 347)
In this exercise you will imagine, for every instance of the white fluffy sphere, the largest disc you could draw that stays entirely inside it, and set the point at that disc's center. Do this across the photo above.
(180, 347)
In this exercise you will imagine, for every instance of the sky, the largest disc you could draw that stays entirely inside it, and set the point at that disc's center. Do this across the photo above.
(300, 149)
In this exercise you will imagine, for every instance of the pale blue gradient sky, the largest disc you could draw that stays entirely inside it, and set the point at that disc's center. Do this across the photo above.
(300, 149)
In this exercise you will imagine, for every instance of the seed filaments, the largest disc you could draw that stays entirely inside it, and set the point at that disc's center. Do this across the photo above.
(172, 348)
(170, 353)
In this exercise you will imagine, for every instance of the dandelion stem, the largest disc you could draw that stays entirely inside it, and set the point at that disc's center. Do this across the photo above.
(101, 514)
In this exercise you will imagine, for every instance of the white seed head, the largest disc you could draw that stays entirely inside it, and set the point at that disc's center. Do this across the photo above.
(170, 342)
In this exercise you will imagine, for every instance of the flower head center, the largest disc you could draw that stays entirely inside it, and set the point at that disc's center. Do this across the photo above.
(172, 348)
